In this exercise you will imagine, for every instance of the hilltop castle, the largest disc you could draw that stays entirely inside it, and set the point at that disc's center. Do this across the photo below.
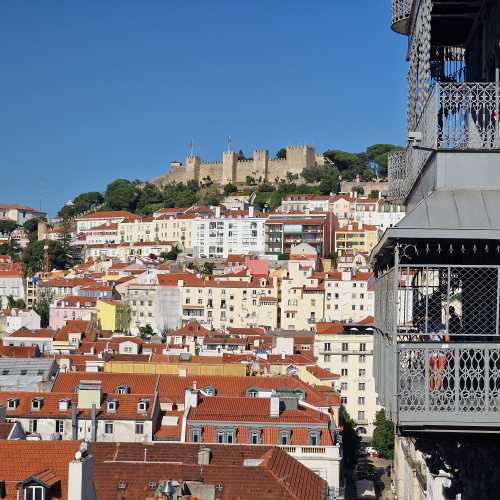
(230, 169)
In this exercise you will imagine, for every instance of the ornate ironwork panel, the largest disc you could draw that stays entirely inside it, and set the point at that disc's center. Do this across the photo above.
(397, 170)
(401, 10)
(455, 383)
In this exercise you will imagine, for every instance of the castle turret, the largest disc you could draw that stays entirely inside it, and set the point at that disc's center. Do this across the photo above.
(261, 163)
(229, 167)
(193, 167)
(299, 157)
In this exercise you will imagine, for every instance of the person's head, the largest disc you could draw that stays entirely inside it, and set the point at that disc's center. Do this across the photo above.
(451, 310)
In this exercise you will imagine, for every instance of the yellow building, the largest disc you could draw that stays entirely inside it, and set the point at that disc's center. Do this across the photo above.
(112, 315)
(356, 237)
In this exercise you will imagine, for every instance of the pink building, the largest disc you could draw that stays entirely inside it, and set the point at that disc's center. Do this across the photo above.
(71, 307)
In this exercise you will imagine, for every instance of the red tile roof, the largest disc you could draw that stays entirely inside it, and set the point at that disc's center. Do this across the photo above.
(109, 214)
(322, 373)
(329, 328)
(20, 460)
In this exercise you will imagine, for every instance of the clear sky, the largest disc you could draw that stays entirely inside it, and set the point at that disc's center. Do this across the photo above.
(96, 90)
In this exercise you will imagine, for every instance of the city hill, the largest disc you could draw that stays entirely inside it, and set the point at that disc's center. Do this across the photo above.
(144, 198)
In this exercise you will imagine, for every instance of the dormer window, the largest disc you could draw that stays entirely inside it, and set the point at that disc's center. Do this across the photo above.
(12, 403)
(112, 405)
(34, 492)
(36, 404)
(142, 406)
(123, 389)
(64, 404)
(209, 390)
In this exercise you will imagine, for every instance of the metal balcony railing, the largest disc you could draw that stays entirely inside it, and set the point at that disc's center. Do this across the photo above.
(437, 345)
(456, 116)
(401, 10)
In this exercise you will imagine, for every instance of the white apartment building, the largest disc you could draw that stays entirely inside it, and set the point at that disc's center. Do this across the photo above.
(95, 219)
(348, 351)
(19, 213)
(11, 285)
(349, 297)
(236, 232)
(140, 297)
(15, 319)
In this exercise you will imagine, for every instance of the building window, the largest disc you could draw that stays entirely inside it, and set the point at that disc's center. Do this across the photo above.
(361, 386)
(34, 493)
(123, 389)
(362, 358)
(139, 427)
(60, 426)
(142, 406)
(345, 346)
(344, 372)
(313, 438)
(36, 404)
(362, 372)
(196, 435)
(362, 347)
(361, 415)
(343, 400)
(361, 400)
(327, 358)
(343, 386)
(33, 425)
(328, 346)
(344, 358)
(112, 406)
(255, 436)
(285, 437)
(12, 404)
(225, 436)
(252, 393)
(108, 427)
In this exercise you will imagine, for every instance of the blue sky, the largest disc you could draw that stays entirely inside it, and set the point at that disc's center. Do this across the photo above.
(92, 91)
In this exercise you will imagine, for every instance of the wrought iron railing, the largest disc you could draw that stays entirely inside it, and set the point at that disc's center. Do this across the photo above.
(437, 346)
(401, 10)
(456, 116)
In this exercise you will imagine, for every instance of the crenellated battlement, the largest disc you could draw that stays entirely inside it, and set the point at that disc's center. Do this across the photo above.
(230, 169)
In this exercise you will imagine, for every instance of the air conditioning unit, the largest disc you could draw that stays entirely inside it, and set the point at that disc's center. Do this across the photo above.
(414, 136)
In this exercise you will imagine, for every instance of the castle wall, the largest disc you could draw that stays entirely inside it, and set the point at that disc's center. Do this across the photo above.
(231, 170)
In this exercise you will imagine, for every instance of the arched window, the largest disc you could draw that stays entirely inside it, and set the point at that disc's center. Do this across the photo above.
(361, 431)
(313, 438)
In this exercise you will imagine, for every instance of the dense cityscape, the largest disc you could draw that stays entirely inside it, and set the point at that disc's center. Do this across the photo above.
(292, 324)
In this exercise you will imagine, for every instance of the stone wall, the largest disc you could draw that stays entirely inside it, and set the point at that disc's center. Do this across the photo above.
(231, 170)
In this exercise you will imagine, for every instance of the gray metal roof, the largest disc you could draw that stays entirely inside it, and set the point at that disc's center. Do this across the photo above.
(459, 214)
(15, 365)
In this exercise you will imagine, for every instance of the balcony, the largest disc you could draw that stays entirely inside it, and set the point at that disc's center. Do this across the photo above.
(456, 117)
(437, 346)
(401, 10)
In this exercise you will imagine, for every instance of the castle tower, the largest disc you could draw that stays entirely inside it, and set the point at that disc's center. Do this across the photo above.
(299, 157)
(193, 163)
(229, 167)
(261, 163)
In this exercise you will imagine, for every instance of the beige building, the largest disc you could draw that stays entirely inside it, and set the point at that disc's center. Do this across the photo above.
(349, 352)
(357, 237)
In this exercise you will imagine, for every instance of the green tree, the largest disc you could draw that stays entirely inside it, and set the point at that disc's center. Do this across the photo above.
(42, 307)
(67, 212)
(171, 255)
(379, 154)
(33, 257)
(11, 249)
(146, 332)
(333, 256)
(13, 303)
(209, 196)
(359, 190)
(374, 193)
(250, 181)
(121, 195)
(281, 154)
(7, 227)
(242, 157)
(330, 183)
(208, 268)
(87, 201)
(350, 165)
(383, 436)
(230, 189)
(149, 194)
(31, 227)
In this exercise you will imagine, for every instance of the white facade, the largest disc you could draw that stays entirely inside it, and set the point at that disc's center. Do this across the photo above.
(11, 285)
(19, 213)
(19, 318)
(351, 356)
(219, 237)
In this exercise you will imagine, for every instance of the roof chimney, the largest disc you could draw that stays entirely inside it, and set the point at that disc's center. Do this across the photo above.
(190, 398)
(274, 406)
(204, 455)
(251, 211)
(217, 211)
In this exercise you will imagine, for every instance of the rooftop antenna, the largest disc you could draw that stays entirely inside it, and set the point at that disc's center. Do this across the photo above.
(228, 143)
(191, 148)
